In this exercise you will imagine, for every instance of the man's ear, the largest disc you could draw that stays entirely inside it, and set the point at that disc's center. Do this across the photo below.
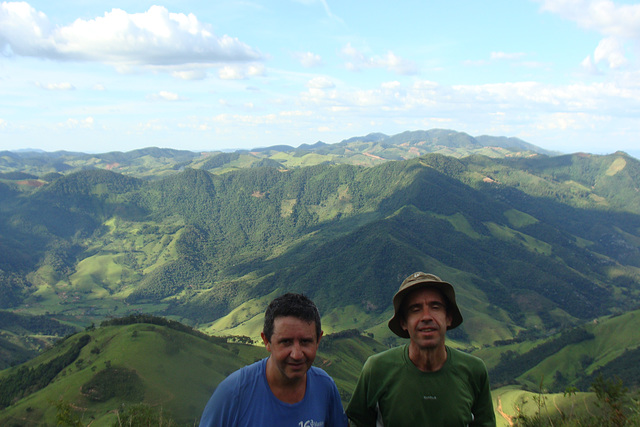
(266, 342)
(320, 336)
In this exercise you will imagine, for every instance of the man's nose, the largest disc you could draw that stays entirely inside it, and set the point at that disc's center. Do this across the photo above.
(296, 351)
(426, 314)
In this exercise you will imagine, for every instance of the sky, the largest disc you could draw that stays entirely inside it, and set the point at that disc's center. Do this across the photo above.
(98, 76)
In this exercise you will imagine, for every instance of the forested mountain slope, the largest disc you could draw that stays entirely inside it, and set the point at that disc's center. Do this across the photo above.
(529, 242)
(544, 251)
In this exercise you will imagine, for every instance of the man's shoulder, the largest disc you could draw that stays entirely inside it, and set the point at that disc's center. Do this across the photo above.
(463, 358)
(455, 352)
(232, 395)
(390, 353)
(314, 370)
(320, 375)
(257, 366)
(248, 373)
(392, 356)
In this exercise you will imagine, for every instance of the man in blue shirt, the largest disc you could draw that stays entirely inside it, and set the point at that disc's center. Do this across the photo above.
(283, 390)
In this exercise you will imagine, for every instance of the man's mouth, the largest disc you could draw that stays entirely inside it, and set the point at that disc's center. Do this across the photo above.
(297, 365)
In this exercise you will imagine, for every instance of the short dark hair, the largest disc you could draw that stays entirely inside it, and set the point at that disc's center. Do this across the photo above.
(290, 304)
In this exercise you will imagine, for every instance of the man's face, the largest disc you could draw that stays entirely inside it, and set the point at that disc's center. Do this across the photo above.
(293, 347)
(426, 318)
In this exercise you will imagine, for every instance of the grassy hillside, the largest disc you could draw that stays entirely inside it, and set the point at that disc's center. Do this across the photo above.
(155, 367)
(22, 336)
(531, 244)
(607, 346)
(593, 380)
(544, 253)
(167, 369)
(537, 248)
(544, 409)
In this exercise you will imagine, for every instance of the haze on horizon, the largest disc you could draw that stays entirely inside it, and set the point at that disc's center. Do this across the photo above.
(204, 76)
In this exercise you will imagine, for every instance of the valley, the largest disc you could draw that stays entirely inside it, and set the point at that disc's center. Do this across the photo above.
(543, 250)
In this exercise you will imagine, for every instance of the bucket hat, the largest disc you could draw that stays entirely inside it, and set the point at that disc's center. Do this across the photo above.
(421, 280)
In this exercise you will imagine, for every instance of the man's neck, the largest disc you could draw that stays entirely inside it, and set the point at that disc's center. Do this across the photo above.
(428, 359)
(284, 390)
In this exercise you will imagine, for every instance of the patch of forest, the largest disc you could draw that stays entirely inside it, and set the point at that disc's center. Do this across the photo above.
(24, 380)
(512, 364)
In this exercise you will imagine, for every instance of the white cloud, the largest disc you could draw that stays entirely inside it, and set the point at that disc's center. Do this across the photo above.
(56, 86)
(588, 66)
(534, 64)
(368, 98)
(255, 70)
(196, 74)
(603, 16)
(619, 23)
(308, 59)
(155, 37)
(390, 85)
(194, 125)
(320, 83)
(356, 61)
(166, 96)
(296, 113)
(399, 65)
(610, 50)
(152, 125)
(231, 73)
(245, 119)
(506, 55)
(77, 124)
(517, 102)
(425, 84)
(573, 121)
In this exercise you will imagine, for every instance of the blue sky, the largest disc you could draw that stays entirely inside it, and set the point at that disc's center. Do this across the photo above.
(99, 76)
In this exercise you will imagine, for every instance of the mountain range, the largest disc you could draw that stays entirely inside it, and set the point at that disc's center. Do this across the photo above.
(538, 245)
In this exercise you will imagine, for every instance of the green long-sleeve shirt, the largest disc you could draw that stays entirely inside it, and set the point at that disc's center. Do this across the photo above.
(393, 392)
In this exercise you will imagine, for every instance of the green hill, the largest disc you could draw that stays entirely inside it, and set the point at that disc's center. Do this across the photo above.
(544, 251)
(41, 330)
(164, 366)
(530, 243)
(572, 358)
(154, 367)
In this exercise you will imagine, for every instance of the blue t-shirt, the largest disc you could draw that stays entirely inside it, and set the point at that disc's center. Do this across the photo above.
(244, 399)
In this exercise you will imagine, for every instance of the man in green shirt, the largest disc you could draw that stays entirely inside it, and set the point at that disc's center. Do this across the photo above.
(425, 382)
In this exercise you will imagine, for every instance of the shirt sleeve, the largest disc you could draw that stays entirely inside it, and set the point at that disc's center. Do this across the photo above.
(483, 413)
(359, 410)
(336, 416)
(222, 408)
